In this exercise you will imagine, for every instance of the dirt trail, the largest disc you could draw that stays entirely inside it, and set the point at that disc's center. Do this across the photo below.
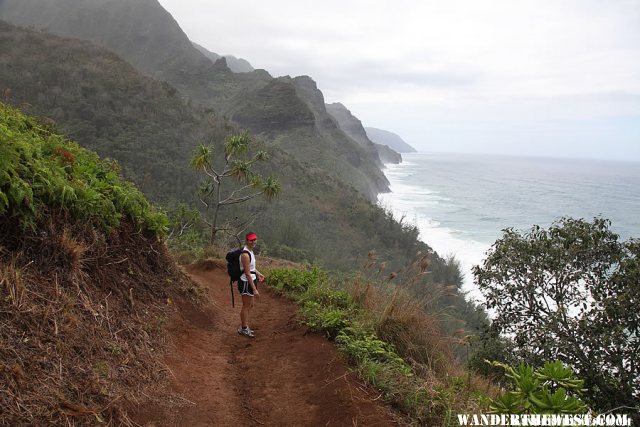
(285, 376)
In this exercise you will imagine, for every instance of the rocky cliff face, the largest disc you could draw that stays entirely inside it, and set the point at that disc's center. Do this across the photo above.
(273, 108)
(361, 156)
(350, 124)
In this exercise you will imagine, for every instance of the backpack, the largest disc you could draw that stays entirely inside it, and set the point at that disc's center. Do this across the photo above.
(233, 263)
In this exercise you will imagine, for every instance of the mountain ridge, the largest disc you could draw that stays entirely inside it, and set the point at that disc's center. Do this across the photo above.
(352, 126)
(162, 50)
(390, 139)
(237, 65)
(105, 104)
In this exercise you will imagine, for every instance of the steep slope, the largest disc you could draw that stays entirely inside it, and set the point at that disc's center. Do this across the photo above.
(388, 155)
(360, 156)
(352, 126)
(291, 114)
(104, 103)
(390, 139)
(237, 65)
(86, 283)
(140, 31)
(143, 33)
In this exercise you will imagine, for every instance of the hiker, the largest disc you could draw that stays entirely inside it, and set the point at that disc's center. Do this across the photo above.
(248, 283)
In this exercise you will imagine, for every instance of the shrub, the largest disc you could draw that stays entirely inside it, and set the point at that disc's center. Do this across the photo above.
(360, 322)
(571, 293)
(552, 389)
(39, 168)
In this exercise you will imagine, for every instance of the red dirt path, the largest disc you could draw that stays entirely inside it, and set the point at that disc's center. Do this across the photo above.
(285, 376)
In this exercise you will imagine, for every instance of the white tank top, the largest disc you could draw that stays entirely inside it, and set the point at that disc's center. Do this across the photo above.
(252, 266)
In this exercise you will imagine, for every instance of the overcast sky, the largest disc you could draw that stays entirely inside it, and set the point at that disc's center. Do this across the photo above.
(539, 77)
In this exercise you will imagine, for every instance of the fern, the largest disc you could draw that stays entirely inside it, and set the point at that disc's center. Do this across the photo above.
(39, 168)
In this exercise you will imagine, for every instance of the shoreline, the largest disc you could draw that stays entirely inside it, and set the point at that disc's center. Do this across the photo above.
(401, 202)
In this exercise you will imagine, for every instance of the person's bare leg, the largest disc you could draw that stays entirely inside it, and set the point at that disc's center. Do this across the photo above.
(247, 305)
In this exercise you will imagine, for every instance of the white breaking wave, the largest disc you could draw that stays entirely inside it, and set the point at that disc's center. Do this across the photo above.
(409, 202)
(462, 202)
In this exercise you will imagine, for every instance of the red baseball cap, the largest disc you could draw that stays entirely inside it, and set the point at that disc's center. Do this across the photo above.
(252, 236)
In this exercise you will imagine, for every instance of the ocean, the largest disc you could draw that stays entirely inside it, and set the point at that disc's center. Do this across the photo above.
(462, 202)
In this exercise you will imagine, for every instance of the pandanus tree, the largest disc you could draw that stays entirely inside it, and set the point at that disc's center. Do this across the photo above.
(231, 181)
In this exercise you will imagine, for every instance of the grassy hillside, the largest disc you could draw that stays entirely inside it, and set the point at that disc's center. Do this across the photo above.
(388, 338)
(106, 105)
(85, 282)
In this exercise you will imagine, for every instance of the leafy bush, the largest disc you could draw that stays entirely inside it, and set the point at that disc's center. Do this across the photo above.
(327, 319)
(364, 346)
(552, 389)
(39, 168)
(571, 293)
(392, 370)
(295, 281)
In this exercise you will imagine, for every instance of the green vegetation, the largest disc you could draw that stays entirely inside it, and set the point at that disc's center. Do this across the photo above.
(101, 102)
(40, 169)
(251, 185)
(392, 343)
(552, 389)
(84, 280)
(571, 293)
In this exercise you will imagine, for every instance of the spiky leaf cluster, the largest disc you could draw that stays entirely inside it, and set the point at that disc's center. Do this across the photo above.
(237, 163)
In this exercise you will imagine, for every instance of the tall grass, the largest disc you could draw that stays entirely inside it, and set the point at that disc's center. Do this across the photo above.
(384, 330)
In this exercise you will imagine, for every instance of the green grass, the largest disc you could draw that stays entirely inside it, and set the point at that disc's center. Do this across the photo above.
(411, 385)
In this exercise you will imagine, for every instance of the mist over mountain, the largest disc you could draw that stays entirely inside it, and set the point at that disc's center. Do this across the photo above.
(352, 126)
(237, 65)
(140, 31)
(390, 139)
(144, 34)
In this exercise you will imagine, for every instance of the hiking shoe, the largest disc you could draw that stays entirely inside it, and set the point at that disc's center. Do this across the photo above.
(246, 332)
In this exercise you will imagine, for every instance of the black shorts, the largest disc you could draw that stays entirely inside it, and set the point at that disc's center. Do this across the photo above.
(245, 287)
